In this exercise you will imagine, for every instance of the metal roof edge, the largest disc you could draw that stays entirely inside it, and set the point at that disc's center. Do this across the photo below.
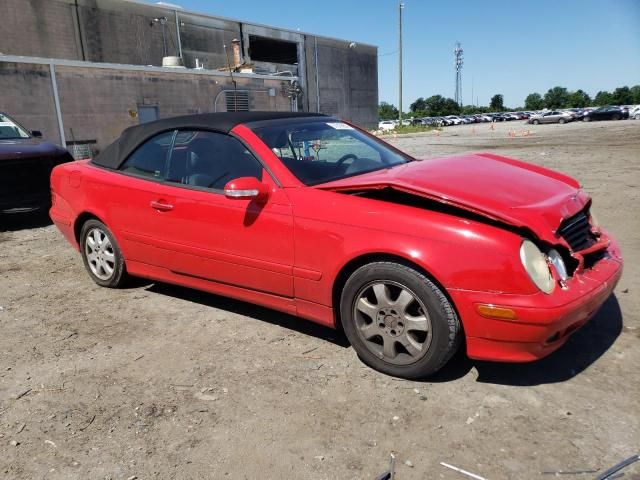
(228, 19)
(140, 68)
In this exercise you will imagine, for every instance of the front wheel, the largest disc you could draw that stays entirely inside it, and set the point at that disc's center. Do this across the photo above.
(561, 121)
(586, 119)
(536, 122)
(101, 255)
(398, 321)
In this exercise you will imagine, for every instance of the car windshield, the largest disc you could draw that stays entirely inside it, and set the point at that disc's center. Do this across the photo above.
(10, 130)
(322, 151)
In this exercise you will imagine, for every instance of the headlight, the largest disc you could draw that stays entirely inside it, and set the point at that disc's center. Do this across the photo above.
(535, 263)
(558, 263)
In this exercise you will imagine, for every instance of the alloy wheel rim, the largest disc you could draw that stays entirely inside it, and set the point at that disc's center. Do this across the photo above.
(100, 254)
(393, 322)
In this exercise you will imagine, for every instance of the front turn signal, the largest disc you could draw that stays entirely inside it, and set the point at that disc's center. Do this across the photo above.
(492, 311)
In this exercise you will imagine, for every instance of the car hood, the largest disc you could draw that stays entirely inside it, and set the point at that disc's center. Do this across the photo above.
(11, 149)
(499, 188)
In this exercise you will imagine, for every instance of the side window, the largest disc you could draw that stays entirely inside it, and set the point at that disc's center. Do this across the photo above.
(210, 160)
(149, 159)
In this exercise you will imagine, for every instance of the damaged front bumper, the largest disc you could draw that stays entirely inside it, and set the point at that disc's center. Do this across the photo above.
(542, 322)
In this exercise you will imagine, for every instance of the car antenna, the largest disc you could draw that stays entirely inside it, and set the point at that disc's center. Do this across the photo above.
(235, 87)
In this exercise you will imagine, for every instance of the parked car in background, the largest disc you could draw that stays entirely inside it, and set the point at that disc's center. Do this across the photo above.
(634, 112)
(442, 121)
(605, 113)
(26, 162)
(454, 119)
(554, 116)
(386, 125)
(230, 203)
(497, 117)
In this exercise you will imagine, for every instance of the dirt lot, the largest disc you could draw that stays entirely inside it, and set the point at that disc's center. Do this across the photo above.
(163, 382)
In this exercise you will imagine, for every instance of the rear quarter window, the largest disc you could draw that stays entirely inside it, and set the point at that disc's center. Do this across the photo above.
(149, 160)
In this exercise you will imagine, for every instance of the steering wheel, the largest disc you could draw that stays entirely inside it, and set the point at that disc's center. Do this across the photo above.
(343, 159)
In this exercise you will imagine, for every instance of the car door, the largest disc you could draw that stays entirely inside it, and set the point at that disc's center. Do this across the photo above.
(137, 200)
(237, 242)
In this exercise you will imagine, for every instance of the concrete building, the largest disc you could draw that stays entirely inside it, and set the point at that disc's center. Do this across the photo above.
(83, 70)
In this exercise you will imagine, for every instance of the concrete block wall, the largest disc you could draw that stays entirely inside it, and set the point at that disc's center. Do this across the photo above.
(38, 28)
(117, 31)
(98, 103)
(347, 78)
(27, 96)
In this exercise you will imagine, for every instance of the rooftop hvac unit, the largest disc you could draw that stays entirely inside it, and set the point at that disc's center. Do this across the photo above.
(172, 62)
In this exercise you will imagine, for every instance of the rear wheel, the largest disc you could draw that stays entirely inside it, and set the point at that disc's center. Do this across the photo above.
(101, 255)
(586, 119)
(637, 117)
(398, 321)
(536, 122)
(561, 121)
(616, 117)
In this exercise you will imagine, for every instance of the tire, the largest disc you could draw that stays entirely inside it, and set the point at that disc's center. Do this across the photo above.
(637, 116)
(536, 122)
(398, 321)
(101, 255)
(616, 117)
(561, 121)
(586, 119)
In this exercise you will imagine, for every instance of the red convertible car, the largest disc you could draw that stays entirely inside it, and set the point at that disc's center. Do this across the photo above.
(315, 217)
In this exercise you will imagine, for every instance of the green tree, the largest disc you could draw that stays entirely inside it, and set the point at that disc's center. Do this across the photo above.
(386, 111)
(434, 105)
(579, 99)
(419, 105)
(556, 97)
(635, 91)
(622, 96)
(603, 98)
(497, 102)
(451, 107)
(472, 109)
(534, 101)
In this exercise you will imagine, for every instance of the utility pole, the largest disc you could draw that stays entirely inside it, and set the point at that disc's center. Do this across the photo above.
(472, 96)
(457, 52)
(400, 7)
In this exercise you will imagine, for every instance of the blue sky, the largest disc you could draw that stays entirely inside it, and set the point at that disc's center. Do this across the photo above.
(513, 47)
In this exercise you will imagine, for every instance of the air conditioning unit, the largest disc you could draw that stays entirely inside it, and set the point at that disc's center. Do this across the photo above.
(172, 62)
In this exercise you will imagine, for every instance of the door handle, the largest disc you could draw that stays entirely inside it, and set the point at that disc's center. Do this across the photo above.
(161, 206)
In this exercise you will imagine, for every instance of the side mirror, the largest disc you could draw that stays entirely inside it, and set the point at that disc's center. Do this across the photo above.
(246, 188)
(36, 133)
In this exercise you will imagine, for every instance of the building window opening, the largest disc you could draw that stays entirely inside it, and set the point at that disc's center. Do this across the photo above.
(262, 49)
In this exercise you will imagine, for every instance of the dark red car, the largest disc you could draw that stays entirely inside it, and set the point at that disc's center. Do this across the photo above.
(26, 162)
(314, 217)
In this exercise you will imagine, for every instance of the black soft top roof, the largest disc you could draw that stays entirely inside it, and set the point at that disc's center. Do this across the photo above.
(117, 152)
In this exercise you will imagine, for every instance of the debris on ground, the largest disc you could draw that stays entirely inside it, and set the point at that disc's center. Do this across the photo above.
(607, 474)
(464, 472)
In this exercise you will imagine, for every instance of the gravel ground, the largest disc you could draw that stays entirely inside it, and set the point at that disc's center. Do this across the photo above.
(157, 381)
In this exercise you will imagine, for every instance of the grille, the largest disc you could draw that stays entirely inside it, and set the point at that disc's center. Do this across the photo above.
(237, 101)
(577, 231)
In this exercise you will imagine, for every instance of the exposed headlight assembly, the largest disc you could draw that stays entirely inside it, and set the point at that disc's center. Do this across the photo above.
(535, 263)
(558, 263)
